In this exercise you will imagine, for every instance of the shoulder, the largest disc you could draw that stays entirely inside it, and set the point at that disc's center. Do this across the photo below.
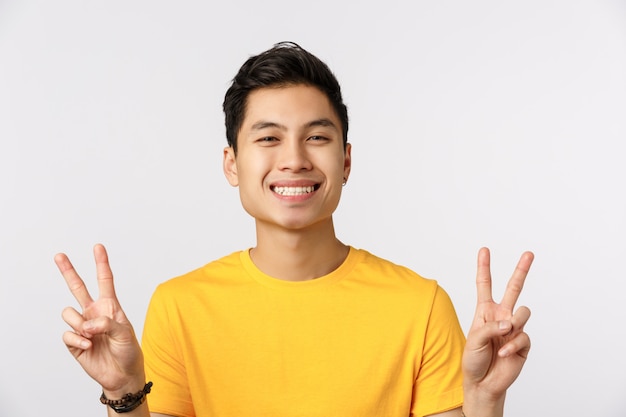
(211, 273)
(402, 290)
(395, 280)
(388, 270)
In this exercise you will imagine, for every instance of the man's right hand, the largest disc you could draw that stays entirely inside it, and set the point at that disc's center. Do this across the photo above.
(102, 339)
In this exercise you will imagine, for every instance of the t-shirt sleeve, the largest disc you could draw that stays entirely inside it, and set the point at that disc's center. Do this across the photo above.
(163, 359)
(439, 383)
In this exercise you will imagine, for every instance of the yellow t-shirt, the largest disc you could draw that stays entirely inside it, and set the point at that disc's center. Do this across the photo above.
(369, 339)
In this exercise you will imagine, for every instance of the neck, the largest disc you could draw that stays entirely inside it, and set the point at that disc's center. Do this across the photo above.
(298, 255)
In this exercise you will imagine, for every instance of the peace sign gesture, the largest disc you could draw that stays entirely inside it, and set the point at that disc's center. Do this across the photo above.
(496, 347)
(102, 340)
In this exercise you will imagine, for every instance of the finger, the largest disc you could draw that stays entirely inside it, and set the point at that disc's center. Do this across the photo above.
(520, 318)
(516, 283)
(480, 337)
(483, 276)
(519, 345)
(86, 328)
(74, 341)
(73, 280)
(73, 318)
(104, 273)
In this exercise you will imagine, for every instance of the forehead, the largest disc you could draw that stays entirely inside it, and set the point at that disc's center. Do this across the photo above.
(292, 105)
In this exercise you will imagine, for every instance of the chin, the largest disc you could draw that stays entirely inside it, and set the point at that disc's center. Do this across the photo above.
(296, 224)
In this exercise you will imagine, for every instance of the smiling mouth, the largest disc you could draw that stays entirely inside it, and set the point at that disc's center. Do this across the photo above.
(293, 191)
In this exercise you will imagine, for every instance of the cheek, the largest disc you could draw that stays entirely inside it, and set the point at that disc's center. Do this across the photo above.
(250, 169)
(336, 170)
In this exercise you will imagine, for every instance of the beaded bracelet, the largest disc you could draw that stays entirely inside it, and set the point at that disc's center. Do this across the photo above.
(129, 401)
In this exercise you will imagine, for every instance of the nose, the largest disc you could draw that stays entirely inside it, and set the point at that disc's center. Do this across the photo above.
(294, 157)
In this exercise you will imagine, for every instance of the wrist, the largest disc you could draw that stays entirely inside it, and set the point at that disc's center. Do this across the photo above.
(129, 401)
(135, 384)
(480, 404)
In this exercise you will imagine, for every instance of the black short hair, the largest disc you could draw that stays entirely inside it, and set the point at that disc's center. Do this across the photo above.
(286, 63)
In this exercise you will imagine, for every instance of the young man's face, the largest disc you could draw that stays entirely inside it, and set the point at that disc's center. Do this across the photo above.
(290, 162)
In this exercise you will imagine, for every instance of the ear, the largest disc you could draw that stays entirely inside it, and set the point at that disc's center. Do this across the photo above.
(230, 166)
(347, 162)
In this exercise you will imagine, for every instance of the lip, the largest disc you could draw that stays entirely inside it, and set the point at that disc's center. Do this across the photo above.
(294, 190)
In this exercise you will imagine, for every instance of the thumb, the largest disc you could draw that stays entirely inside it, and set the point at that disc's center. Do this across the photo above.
(104, 325)
(480, 337)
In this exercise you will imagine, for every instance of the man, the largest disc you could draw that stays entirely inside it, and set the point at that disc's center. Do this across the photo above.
(301, 324)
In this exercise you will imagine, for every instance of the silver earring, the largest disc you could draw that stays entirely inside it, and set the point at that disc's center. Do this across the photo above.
(345, 181)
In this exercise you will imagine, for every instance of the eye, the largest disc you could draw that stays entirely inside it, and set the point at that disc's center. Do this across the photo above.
(267, 139)
(317, 138)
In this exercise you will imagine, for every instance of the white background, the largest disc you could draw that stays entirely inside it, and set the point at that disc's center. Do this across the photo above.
(474, 123)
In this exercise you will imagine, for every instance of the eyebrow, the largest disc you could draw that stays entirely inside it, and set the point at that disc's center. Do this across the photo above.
(322, 123)
(314, 123)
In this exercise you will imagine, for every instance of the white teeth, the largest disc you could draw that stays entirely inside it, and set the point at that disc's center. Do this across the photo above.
(289, 191)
